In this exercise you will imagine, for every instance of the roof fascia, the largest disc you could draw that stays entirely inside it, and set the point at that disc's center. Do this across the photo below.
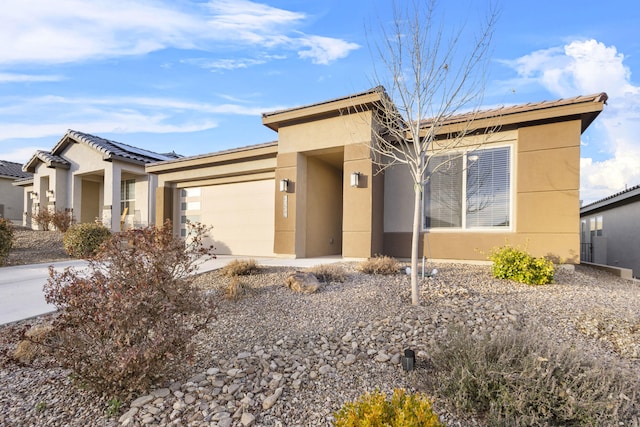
(613, 202)
(326, 109)
(235, 156)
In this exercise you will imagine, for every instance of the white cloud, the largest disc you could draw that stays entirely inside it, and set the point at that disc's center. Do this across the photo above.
(586, 67)
(65, 31)
(21, 155)
(113, 114)
(28, 78)
(324, 50)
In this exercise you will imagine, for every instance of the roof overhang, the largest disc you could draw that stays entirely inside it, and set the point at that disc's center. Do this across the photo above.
(583, 108)
(332, 108)
(631, 195)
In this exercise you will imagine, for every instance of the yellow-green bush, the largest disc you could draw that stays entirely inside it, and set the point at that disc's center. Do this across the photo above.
(84, 240)
(374, 410)
(516, 264)
(6, 239)
(379, 265)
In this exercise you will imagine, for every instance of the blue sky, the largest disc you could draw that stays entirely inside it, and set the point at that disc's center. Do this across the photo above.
(194, 76)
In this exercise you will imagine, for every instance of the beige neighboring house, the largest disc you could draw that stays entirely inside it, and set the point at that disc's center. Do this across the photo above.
(10, 193)
(317, 191)
(95, 179)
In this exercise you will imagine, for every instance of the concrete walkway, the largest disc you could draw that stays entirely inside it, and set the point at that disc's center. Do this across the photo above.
(21, 287)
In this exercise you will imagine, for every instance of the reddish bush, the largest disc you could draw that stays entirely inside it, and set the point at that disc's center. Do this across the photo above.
(128, 320)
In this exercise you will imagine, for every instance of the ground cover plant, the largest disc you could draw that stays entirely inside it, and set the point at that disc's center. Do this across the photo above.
(518, 377)
(129, 320)
(328, 273)
(240, 267)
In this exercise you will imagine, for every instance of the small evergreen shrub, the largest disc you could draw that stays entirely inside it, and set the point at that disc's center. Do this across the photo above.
(127, 321)
(84, 240)
(522, 378)
(516, 264)
(6, 239)
(237, 267)
(374, 410)
(62, 220)
(379, 265)
(328, 273)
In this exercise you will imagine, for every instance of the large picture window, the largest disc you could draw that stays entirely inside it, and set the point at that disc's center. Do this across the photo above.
(469, 190)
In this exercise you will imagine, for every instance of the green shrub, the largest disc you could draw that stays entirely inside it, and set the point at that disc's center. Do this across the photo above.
(523, 378)
(516, 264)
(6, 239)
(374, 410)
(379, 265)
(238, 267)
(127, 321)
(84, 240)
(328, 273)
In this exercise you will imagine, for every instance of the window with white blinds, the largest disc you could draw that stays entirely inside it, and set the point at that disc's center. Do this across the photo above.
(475, 196)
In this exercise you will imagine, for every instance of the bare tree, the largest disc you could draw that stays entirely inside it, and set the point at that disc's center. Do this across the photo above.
(433, 76)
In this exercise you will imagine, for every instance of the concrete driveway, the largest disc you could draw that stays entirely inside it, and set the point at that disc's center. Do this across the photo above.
(21, 287)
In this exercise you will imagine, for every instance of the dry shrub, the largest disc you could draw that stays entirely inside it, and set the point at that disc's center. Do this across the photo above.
(128, 320)
(236, 289)
(42, 218)
(328, 273)
(62, 220)
(237, 267)
(379, 265)
(521, 378)
(31, 347)
(6, 239)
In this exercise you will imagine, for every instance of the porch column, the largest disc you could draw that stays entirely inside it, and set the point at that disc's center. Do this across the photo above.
(111, 211)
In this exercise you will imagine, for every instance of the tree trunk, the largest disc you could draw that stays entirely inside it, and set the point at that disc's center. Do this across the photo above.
(415, 241)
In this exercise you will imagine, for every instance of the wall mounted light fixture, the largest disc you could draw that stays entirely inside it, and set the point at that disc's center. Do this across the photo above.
(284, 185)
(355, 179)
(34, 195)
(49, 194)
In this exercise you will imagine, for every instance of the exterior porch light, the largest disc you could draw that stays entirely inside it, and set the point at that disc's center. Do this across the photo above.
(49, 194)
(284, 185)
(34, 195)
(355, 179)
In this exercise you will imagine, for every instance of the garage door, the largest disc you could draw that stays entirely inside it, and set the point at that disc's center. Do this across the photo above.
(242, 216)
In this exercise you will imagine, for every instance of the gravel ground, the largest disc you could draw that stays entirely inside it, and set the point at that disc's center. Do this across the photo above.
(277, 358)
(32, 247)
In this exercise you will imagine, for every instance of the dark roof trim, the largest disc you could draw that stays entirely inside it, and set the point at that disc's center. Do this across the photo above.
(627, 196)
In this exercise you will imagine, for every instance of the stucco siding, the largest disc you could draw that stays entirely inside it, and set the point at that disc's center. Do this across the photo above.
(11, 199)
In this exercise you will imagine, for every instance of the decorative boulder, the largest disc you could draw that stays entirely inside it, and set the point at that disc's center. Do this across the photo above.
(302, 282)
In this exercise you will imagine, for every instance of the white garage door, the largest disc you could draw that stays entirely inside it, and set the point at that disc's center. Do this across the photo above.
(242, 216)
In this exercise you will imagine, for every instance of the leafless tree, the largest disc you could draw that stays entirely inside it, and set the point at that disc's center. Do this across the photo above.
(434, 78)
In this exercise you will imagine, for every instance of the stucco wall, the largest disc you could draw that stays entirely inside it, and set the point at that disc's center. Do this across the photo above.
(545, 201)
(11, 199)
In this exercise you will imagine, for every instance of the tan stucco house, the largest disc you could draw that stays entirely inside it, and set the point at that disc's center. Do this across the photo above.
(317, 190)
(95, 179)
(10, 193)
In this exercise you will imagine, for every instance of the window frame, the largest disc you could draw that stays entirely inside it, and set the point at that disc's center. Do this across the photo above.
(463, 228)
(128, 201)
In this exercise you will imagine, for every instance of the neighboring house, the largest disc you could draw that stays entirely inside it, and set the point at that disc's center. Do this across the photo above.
(317, 190)
(95, 179)
(10, 194)
(610, 231)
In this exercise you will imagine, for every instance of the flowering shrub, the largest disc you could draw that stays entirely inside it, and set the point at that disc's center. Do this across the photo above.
(128, 321)
(373, 409)
(516, 264)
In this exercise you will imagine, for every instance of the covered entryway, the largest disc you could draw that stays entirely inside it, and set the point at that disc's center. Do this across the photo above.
(324, 203)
